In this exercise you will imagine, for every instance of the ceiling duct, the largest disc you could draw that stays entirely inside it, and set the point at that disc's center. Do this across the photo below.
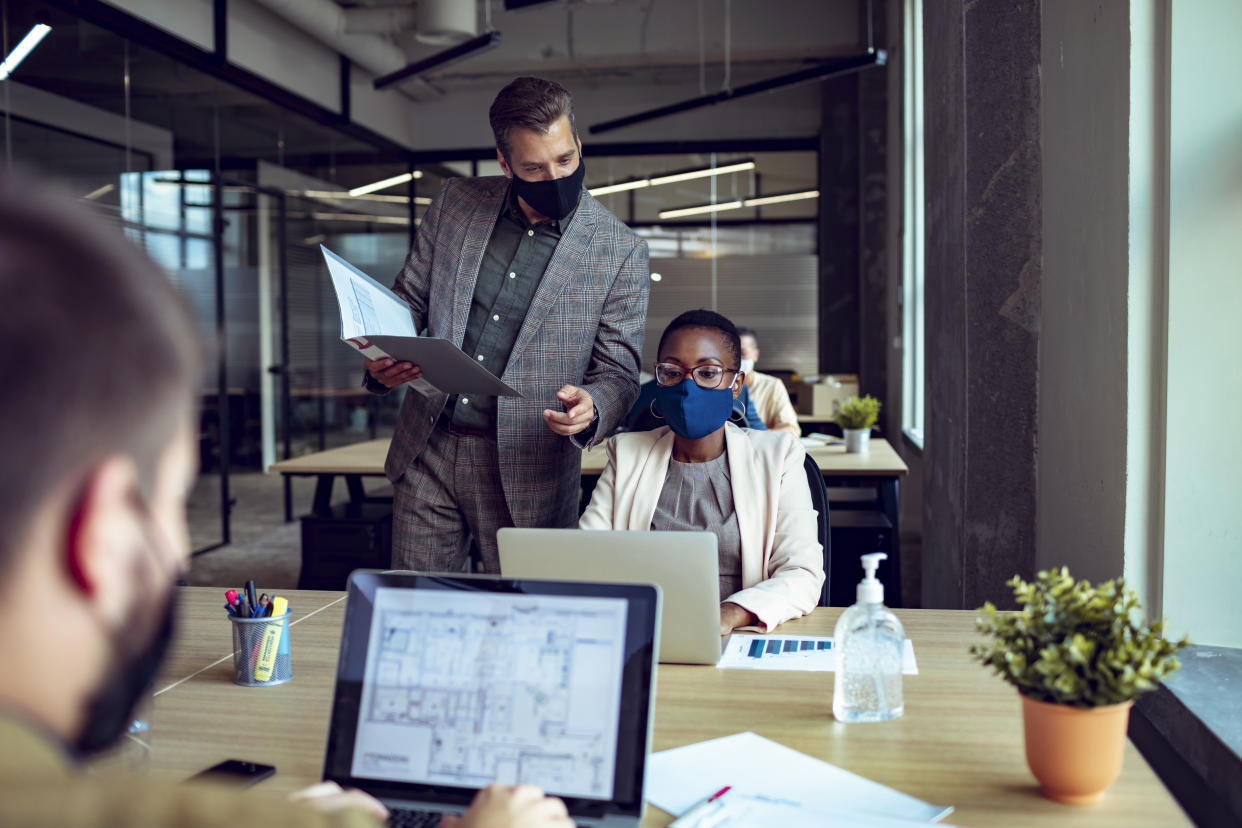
(326, 21)
(446, 22)
(383, 20)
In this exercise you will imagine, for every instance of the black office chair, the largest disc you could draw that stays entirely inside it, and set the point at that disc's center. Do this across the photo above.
(819, 499)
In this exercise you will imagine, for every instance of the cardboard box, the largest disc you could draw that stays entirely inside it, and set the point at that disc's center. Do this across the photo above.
(821, 396)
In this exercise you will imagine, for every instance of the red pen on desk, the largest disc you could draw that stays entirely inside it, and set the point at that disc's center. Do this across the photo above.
(699, 810)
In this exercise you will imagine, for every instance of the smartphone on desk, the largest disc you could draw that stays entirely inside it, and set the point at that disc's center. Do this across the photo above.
(235, 772)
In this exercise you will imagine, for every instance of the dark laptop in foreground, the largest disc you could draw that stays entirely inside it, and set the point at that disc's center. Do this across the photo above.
(446, 684)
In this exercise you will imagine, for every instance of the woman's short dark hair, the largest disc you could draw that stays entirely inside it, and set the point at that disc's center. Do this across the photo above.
(703, 318)
(529, 103)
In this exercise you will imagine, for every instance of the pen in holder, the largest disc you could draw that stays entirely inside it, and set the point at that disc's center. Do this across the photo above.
(261, 651)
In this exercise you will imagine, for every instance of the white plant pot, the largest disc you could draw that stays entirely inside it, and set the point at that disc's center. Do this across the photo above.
(857, 440)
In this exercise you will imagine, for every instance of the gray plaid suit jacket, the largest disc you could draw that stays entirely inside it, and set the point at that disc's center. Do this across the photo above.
(584, 327)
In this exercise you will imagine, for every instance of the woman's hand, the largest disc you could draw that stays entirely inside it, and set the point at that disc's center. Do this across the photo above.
(733, 616)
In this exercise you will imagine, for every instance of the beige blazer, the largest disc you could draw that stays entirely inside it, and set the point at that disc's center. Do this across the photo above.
(782, 561)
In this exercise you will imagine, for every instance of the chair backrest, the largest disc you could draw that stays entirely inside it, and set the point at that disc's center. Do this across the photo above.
(819, 499)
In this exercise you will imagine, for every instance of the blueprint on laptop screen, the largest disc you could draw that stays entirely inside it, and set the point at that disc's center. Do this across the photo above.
(466, 689)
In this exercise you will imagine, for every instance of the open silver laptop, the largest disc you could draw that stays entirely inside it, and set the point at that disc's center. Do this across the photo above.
(683, 564)
(446, 684)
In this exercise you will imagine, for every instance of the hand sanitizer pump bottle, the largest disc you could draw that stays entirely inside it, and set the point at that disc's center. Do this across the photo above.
(869, 641)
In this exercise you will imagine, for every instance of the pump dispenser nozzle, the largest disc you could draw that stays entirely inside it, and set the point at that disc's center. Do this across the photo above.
(871, 591)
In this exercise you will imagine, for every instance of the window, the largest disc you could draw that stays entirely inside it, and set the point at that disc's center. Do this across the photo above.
(912, 327)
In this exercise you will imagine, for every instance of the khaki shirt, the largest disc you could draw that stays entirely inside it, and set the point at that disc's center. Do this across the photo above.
(40, 785)
(772, 401)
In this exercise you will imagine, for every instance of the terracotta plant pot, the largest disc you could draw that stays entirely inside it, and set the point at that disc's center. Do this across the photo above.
(1074, 752)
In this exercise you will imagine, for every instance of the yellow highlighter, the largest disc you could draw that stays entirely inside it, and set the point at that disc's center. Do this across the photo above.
(270, 644)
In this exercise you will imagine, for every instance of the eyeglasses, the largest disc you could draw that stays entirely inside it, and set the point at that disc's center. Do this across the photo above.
(705, 376)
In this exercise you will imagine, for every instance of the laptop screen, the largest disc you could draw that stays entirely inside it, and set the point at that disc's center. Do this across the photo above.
(446, 685)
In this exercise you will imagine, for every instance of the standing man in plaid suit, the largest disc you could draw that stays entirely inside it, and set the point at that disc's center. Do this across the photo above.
(548, 289)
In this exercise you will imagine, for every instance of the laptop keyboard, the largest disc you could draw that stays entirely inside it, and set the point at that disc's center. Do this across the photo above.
(402, 818)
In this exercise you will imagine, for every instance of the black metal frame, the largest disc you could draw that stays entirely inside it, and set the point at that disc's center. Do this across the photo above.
(485, 41)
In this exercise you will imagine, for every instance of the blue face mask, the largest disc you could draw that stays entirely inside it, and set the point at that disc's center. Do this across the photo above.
(691, 411)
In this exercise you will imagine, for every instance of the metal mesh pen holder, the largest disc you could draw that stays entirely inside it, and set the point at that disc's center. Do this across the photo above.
(261, 651)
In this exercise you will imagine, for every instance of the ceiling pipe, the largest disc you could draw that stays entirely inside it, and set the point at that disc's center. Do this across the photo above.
(326, 22)
(380, 20)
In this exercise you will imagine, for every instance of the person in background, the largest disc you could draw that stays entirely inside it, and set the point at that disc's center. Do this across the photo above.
(769, 394)
(700, 472)
(532, 276)
(93, 538)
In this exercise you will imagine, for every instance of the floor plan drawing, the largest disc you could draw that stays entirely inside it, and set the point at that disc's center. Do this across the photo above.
(505, 688)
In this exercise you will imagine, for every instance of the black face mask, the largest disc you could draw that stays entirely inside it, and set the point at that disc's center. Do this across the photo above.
(136, 659)
(135, 667)
(556, 198)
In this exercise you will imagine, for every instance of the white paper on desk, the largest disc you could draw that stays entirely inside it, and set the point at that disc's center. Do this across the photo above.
(377, 323)
(746, 811)
(791, 652)
(757, 767)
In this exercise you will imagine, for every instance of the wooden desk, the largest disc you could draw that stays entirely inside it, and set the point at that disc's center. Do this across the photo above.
(882, 465)
(959, 743)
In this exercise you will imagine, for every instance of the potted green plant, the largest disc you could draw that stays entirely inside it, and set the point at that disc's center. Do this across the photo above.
(1079, 656)
(856, 416)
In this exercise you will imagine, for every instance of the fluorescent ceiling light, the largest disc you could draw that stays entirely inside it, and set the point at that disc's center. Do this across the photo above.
(342, 194)
(671, 178)
(385, 184)
(620, 188)
(315, 239)
(23, 48)
(783, 197)
(104, 190)
(704, 173)
(655, 277)
(700, 209)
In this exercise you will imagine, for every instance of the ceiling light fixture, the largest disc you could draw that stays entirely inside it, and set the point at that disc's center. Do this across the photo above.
(104, 190)
(385, 184)
(700, 209)
(671, 178)
(488, 40)
(24, 47)
(758, 201)
(706, 172)
(620, 188)
(342, 194)
(781, 198)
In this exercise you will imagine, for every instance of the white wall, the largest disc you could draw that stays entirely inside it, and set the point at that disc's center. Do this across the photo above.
(1203, 456)
(1081, 499)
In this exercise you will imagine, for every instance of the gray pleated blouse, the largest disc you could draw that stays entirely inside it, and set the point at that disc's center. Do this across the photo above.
(698, 497)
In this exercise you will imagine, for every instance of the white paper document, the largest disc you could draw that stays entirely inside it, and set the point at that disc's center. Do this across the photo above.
(777, 785)
(811, 653)
(377, 323)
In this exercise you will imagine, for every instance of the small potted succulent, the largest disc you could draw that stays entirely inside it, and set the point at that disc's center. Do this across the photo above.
(856, 416)
(1079, 656)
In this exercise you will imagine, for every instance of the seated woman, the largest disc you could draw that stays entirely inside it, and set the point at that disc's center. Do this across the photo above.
(700, 472)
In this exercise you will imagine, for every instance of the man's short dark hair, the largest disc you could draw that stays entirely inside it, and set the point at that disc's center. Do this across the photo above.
(703, 318)
(529, 103)
(97, 353)
(742, 330)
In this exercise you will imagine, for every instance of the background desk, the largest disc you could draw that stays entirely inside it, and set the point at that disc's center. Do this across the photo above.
(959, 743)
(881, 466)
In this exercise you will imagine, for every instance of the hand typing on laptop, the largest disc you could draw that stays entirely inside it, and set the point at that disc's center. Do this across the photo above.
(523, 806)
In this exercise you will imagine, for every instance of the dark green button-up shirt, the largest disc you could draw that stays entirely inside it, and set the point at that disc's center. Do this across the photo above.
(513, 264)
